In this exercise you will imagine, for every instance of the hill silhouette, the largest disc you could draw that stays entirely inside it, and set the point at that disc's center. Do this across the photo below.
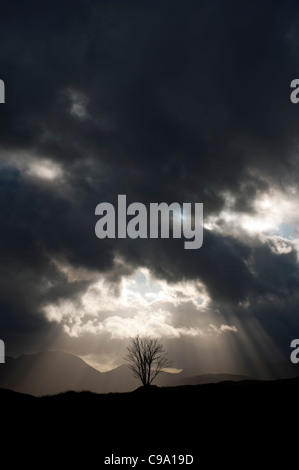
(52, 372)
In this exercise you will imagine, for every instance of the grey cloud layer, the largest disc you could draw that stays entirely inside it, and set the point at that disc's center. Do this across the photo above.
(162, 102)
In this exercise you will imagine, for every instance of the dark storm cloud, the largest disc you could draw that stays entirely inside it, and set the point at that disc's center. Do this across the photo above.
(180, 103)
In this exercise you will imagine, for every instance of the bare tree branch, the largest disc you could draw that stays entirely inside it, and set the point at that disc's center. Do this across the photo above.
(147, 358)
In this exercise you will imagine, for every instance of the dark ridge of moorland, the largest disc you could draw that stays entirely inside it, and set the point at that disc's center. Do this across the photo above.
(222, 424)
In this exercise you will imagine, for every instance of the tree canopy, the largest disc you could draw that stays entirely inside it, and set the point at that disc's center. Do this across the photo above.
(147, 358)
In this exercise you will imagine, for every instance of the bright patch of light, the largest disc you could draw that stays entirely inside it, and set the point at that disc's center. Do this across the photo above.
(34, 166)
(252, 224)
(172, 370)
(279, 245)
(272, 213)
(140, 305)
(44, 169)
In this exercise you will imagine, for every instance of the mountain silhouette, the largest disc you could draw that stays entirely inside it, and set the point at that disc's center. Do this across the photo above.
(52, 372)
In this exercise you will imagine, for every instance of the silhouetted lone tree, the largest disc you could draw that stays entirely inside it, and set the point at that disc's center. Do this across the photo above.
(147, 358)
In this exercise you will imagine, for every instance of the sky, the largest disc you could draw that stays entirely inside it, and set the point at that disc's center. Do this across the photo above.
(163, 101)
